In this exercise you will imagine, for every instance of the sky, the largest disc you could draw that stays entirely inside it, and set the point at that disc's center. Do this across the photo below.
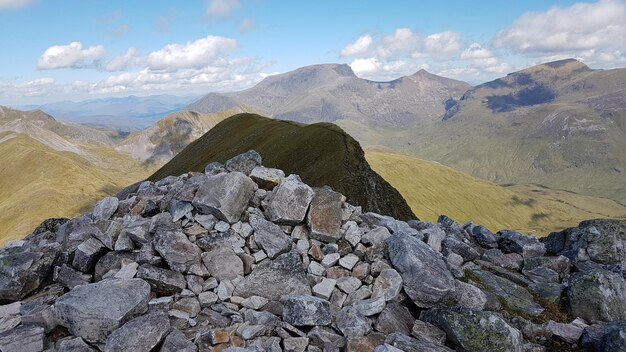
(81, 49)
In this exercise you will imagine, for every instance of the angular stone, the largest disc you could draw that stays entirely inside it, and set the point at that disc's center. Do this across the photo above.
(425, 277)
(179, 209)
(244, 162)
(223, 263)
(176, 341)
(212, 337)
(10, 309)
(395, 318)
(306, 311)
(349, 261)
(527, 246)
(225, 196)
(376, 236)
(387, 285)
(87, 254)
(330, 260)
(23, 272)
(248, 332)
(475, 330)
(189, 305)
(40, 315)
(214, 168)
(484, 237)
(407, 343)
(351, 323)
(254, 302)
(106, 207)
(289, 201)
(516, 297)
(207, 299)
(469, 296)
(370, 306)
(434, 235)
(141, 334)
(348, 284)
(549, 292)
(569, 333)
(324, 216)
(270, 236)
(452, 245)
(74, 345)
(597, 295)
(221, 239)
(164, 282)
(546, 269)
(358, 295)
(428, 332)
(225, 290)
(124, 243)
(361, 270)
(316, 268)
(295, 344)
(93, 311)
(508, 261)
(23, 339)
(325, 288)
(180, 254)
(368, 342)
(70, 277)
(267, 178)
(127, 271)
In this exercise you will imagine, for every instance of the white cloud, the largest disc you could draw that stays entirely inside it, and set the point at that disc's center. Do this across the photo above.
(14, 4)
(197, 54)
(593, 30)
(69, 56)
(360, 46)
(222, 8)
(476, 51)
(36, 88)
(372, 68)
(125, 61)
(443, 43)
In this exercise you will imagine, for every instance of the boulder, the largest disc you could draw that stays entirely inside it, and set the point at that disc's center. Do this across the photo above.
(93, 311)
(527, 246)
(351, 323)
(222, 263)
(406, 343)
(106, 207)
(478, 331)
(286, 269)
(516, 297)
(387, 285)
(324, 216)
(484, 237)
(270, 236)
(306, 311)
(289, 201)
(141, 334)
(180, 254)
(225, 195)
(426, 279)
(267, 178)
(176, 341)
(245, 162)
(74, 345)
(22, 272)
(164, 282)
(428, 332)
(597, 295)
(87, 254)
(395, 318)
(23, 339)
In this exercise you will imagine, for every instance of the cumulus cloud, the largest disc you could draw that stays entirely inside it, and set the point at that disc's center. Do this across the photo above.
(222, 8)
(483, 60)
(384, 71)
(125, 61)
(14, 4)
(443, 43)
(360, 46)
(592, 30)
(196, 54)
(70, 56)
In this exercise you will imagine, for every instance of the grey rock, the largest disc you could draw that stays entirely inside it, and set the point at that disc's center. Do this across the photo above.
(484, 237)
(387, 285)
(434, 235)
(40, 315)
(550, 292)
(370, 306)
(106, 207)
(316, 268)
(267, 178)
(324, 216)
(180, 254)
(176, 341)
(425, 277)
(180, 209)
(546, 269)
(453, 245)
(10, 309)
(362, 293)
(325, 288)
(349, 261)
(74, 345)
(87, 254)
(569, 333)
(141, 334)
(469, 296)
(527, 246)
(605, 337)
(295, 344)
(124, 242)
(207, 299)
(214, 168)
(289, 201)
(475, 330)
(22, 272)
(221, 239)
(428, 332)
(223, 264)
(597, 295)
(516, 297)
(244, 162)
(127, 271)
(164, 282)
(330, 260)
(306, 311)
(395, 318)
(270, 236)
(407, 343)
(225, 196)
(512, 261)
(351, 323)
(375, 236)
(349, 284)
(248, 332)
(70, 277)
(93, 311)
(23, 339)
(254, 302)
(189, 305)
(225, 290)
(222, 226)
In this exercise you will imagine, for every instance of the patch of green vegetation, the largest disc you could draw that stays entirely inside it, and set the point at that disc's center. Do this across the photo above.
(321, 153)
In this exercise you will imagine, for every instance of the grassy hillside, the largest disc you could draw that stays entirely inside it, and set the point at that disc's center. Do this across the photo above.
(39, 182)
(322, 154)
(432, 189)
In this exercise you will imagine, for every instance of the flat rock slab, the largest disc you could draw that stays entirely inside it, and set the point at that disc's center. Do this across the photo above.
(223, 263)
(270, 236)
(23, 272)
(516, 297)
(141, 334)
(324, 216)
(93, 311)
(225, 195)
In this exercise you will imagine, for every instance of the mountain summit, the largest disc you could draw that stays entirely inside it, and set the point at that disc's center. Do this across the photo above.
(332, 92)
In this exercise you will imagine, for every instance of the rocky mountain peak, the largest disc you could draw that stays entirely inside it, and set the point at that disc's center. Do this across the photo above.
(243, 257)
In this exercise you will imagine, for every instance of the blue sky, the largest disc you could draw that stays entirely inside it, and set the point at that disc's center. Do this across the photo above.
(78, 49)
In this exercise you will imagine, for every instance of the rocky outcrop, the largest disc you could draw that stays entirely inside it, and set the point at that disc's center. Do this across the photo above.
(183, 264)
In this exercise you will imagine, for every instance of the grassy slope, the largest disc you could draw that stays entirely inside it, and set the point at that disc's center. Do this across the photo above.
(432, 189)
(39, 183)
(322, 154)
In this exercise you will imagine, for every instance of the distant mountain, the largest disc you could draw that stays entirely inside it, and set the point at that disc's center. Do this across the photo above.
(332, 92)
(560, 124)
(126, 113)
(321, 154)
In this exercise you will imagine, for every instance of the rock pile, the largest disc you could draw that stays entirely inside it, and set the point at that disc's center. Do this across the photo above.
(242, 258)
